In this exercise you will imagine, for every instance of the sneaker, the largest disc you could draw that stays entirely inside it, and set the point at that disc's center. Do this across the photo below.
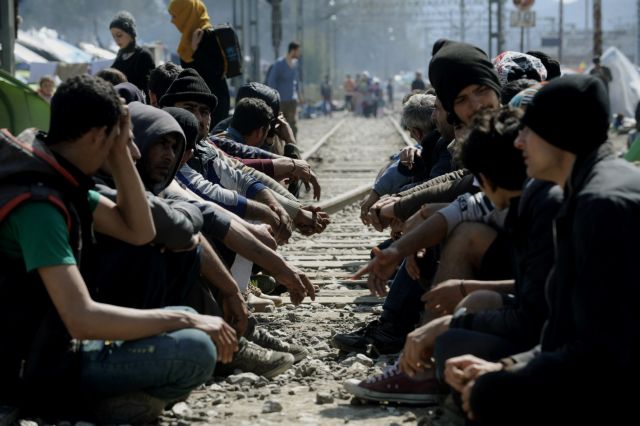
(258, 304)
(263, 338)
(393, 385)
(131, 408)
(377, 336)
(252, 358)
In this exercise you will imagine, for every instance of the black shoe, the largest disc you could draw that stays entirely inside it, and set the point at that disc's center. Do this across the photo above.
(252, 358)
(132, 408)
(263, 338)
(377, 336)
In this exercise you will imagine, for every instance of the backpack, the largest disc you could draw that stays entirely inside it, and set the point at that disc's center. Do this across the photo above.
(230, 49)
(39, 361)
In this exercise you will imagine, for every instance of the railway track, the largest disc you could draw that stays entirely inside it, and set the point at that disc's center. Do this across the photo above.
(346, 159)
(311, 393)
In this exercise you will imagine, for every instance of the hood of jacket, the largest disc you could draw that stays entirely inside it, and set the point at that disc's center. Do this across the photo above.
(149, 126)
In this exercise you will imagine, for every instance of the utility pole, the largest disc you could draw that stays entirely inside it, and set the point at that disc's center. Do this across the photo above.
(276, 26)
(597, 28)
(560, 25)
(498, 33)
(300, 39)
(238, 26)
(7, 35)
(254, 40)
(462, 23)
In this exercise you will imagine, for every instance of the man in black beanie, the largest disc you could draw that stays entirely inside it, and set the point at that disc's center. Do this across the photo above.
(464, 78)
(591, 340)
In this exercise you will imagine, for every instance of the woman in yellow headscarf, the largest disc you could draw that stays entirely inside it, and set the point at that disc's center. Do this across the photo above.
(198, 49)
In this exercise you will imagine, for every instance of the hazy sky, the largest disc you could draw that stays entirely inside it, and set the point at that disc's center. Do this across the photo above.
(614, 12)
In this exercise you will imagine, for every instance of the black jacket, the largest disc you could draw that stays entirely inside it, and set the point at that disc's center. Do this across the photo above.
(529, 226)
(208, 61)
(137, 67)
(39, 362)
(591, 340)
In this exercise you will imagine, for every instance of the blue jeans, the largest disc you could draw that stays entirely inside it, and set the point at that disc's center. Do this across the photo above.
(167, 366)
(403, 307)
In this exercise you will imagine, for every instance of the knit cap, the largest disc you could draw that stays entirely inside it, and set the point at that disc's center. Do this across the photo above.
(260, 91)
(571, 113)
(124, 21)
(516, 65)
(189, 86)
(523, 99)
(188, 122)
(455, 66)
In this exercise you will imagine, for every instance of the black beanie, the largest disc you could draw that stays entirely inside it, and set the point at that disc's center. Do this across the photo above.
(189, 86)
(455, 66)
(260, 91)
(124, 21)
(188, 122)
(571, 113)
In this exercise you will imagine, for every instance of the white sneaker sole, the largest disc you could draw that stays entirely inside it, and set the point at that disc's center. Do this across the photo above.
(352, 386)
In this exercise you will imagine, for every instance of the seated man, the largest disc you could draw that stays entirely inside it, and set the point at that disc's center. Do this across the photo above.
(418, 118)
(160, 78)
(466, 83)
(209, 166)
(592, 335)
(280, 140)
(238, 238)
(59, 344)
(490, 321)
(250, 125)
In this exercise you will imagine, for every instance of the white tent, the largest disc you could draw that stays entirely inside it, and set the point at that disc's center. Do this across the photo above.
(47, 41)
(24, 55)
(97, 52)
(624, 90)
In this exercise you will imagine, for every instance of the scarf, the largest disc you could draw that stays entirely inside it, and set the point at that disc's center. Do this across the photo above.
(188, 16)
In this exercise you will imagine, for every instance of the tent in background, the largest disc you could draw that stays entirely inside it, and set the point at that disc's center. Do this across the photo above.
(20, 106)
(624, 90)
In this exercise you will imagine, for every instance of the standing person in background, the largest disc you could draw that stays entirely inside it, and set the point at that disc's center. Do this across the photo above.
(327, 94)
(390, 93)
(284, 78)
(349, 87)
(198, 49)
(133, 61)
(418, 83)
(45, 87)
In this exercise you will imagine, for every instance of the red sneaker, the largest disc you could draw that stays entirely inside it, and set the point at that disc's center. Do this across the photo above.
(393, 385)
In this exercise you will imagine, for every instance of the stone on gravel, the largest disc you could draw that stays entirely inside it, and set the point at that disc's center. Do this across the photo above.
(244, 378)
(181, 409)
(271, 406)
(357, 368)
(324, 398)
(27, 423)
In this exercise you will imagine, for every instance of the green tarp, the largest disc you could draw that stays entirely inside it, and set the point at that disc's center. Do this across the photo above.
(20, 106)
(633, 154)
